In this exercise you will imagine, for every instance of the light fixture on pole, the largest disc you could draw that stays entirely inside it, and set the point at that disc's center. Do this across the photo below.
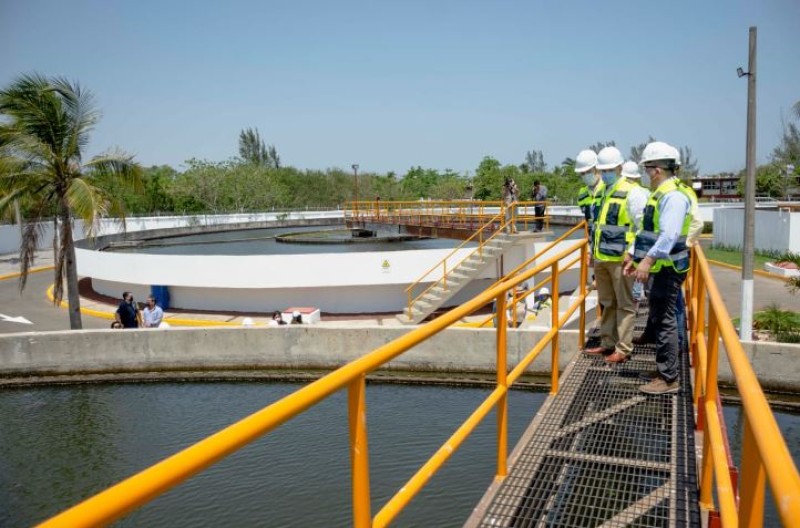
(355, 174)
(746, 319)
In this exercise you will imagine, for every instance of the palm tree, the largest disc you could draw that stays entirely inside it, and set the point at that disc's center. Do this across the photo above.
(46, 127)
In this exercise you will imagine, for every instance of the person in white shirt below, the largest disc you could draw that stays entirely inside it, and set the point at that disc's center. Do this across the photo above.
(152, 313)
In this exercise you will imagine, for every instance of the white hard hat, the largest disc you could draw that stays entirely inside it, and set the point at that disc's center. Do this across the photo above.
(585, 161)
(295, 314)
(677, 156)
(630, 170)
(609, 158)
(544, 291)
(247, 322)
(658, 150)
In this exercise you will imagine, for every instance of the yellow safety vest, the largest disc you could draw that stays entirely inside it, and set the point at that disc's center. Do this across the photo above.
(589, 200)
(646, 238)
(613, 229)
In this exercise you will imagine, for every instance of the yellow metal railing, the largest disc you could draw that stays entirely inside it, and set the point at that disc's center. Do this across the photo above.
(483, 235)
(516, 298)
(765, 457)
(463, 214)
(139, 489)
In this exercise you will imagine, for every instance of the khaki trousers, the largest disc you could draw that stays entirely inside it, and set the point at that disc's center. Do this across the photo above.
(614, 293)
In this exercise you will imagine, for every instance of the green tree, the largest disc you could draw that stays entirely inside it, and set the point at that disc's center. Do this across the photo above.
(636, 150)
(418, 182)
(534, 161)
(788, 150)
(689, 168)
(47, 125)
(600, 145)
(488, 180)
(253, 150)
(769, 181)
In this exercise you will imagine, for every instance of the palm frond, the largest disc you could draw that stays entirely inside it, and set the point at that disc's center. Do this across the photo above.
(36, 110)
(119, 164)
(80, 113)
(31, 234)
(87, 203)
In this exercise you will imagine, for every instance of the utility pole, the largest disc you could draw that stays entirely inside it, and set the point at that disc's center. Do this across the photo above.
(746, 320)
(355, 174)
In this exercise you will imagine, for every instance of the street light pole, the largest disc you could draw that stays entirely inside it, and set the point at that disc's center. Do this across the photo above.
(355, 174)
(746, 320)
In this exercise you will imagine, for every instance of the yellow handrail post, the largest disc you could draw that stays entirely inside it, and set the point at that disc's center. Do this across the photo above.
(710, 397)
(699, 332)
(502, 404)
(583, 279)
(359, 452)
(554, 368)
(752, 482)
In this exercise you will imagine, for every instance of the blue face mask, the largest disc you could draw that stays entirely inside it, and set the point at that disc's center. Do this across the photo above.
(609, 177)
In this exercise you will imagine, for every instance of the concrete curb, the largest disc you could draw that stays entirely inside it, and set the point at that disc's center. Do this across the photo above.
(760, 273)
(16, 274)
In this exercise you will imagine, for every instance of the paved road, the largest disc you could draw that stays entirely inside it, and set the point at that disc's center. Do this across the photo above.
(34, 305)
(765, 291)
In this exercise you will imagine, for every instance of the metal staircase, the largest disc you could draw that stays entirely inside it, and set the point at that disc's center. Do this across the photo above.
(460, 275)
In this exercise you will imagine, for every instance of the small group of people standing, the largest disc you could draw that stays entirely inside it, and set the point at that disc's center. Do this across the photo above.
(128, 314)
(644, 236)
(510, 195)
(278, 320)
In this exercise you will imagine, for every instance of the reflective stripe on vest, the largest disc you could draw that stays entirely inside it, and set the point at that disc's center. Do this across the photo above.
(614, 228)
(646, 238)
(585, 197)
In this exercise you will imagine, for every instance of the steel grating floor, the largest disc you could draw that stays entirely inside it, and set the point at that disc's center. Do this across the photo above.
(601, 453)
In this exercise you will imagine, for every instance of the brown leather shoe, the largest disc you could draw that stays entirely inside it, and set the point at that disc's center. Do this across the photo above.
(597, 351)
(641, 341)
(617, 357)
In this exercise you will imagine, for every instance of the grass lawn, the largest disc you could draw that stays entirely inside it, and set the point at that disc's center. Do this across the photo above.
(734, 257)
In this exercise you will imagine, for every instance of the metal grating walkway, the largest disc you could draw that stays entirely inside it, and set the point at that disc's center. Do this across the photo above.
(601, 453)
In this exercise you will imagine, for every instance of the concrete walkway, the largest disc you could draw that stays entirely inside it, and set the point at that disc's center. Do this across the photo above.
(35, 305)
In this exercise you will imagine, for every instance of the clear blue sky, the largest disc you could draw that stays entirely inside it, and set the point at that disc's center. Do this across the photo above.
(434, 83)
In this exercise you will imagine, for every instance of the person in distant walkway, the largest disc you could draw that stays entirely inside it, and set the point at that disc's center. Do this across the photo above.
(116, 325)
(510, 197)
(297, 318)
(277, 319)
(614, 232)
(660, 250)
(152, 313)
(127, 313)
(539, 194)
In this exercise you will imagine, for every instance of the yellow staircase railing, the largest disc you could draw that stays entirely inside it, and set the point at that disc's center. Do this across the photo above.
(516, 297)
(765, 457)
(482, 236)
(145, 486)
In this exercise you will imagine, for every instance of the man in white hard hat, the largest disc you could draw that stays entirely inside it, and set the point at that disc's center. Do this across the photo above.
(696, 227)
(660, 250)
(590, 195)
(614, 230)
(543, 300)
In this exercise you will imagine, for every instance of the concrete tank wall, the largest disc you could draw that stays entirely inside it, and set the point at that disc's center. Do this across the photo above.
(187, 349)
